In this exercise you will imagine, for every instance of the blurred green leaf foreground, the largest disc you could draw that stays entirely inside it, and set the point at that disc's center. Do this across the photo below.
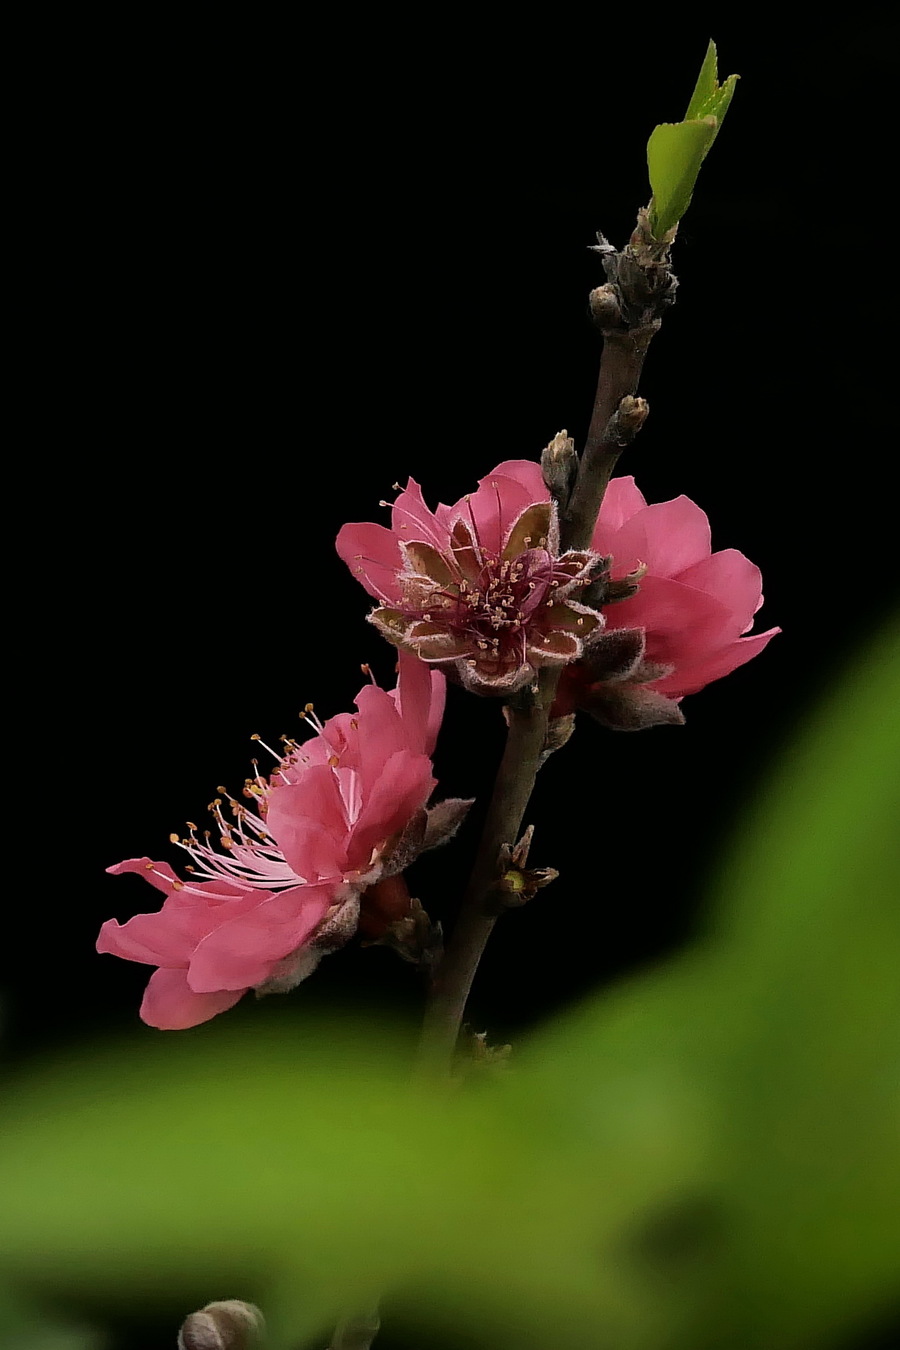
(703, 1157)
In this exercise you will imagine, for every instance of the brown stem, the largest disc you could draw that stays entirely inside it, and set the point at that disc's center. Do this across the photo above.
(620, 368)
(525, 741)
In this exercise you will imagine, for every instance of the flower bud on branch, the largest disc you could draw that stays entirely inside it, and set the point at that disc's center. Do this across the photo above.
(559, 465)
(516, 883)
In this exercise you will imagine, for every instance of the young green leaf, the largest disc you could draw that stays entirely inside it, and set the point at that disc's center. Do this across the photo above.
(676, 150)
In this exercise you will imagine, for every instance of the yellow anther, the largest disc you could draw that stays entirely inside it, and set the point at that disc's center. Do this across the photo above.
(174, 839)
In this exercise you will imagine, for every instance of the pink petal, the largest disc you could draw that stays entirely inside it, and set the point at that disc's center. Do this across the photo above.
(373, 556)
(668, 537)
(435, 710)
(494, 509)
(623, 499)
(731, 578)
(682, 625)
(411, 518)
(307, 820)
(525, 472)
(163, 939)
(149, 870)
(338, 737)
(171, 1006)
(691, 678)
(381, 733)
(240, 954)
(403, 787)
(420, 696)
(115, 939)
(177, 892)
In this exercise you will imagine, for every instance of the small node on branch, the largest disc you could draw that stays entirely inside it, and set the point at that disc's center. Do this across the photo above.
(559, 465)
(516, 883)
(605, 309)
(627, 420)
(227, 1324)
(559, 733)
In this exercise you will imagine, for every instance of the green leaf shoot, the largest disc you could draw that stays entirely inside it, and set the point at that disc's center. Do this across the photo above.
(676, 150)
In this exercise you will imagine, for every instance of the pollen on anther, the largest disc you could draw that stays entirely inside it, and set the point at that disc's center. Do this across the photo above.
(178, 885)
(333, 762)
(174, 838)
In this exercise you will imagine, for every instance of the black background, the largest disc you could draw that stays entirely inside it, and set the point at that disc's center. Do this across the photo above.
(281, 269)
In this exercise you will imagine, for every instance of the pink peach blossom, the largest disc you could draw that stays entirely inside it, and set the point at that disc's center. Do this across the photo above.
(480, 587)
(693, 607)
(339, 812)
(696, 607)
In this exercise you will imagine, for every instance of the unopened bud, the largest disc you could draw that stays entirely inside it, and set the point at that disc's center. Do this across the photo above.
(225, 1325)
(516, 883)
(632, 414)
(605, 307)
(559, 465)
(559, 733)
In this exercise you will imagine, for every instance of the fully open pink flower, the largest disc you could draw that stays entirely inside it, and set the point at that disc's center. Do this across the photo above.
(695, 609)
(442, 593)
(480, 586)
(338, 813)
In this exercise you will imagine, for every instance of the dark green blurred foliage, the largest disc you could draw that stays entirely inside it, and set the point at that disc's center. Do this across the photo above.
(703, 1156)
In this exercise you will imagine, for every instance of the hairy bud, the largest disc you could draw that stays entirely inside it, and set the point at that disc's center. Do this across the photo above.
(227, 1324)
(631, 415)
(605, 309)
(559, 465)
